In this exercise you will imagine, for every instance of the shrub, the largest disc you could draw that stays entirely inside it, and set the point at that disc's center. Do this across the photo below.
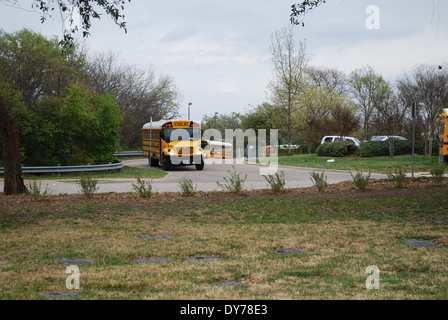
(143, 188)
(34, 191)
(187, 187)
(235, 183)
(276, 181)
(397, 177)
(88, 185)
(337, 149)
(319, 181)
(438, 173)
(381, 148)
(361, 182)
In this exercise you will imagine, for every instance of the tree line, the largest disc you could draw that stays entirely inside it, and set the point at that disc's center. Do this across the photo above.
(306, 103)
(75, 108)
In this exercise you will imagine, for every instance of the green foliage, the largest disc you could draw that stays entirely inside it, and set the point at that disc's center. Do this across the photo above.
(91, 123)
(35, 192)
(88, 185)
(187, 187)
(361, 181)
(381, 148)
(35, 65)
(143, 188)
(438, 173)
(319, 180)
(60, 121)
(337, 149)
(235, 183)
(397, 177)
(77, 128)
(276, 181)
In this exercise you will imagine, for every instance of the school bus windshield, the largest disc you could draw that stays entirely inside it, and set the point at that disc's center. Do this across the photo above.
(184, 134)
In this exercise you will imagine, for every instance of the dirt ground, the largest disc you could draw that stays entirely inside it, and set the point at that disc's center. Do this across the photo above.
(416, 188)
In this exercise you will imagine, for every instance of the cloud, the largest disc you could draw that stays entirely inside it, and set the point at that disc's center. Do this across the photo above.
(390, 57)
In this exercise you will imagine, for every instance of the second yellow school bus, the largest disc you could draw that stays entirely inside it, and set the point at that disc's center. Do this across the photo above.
(268, 151)
(217, 149)
(443, 137)
(173, 142)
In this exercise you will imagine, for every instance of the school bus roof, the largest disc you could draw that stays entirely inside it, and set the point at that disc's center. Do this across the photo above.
(161, 123)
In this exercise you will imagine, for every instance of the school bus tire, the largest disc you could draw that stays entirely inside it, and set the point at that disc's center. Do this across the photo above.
(200, 166)
(153, 162)
(166, 163)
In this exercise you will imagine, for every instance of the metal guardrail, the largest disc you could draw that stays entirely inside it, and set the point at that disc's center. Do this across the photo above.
(65, 169)
(128, 153)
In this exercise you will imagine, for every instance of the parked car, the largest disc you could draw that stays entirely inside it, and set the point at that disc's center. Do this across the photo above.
(285, 146)
(385, 138)
(338, 138)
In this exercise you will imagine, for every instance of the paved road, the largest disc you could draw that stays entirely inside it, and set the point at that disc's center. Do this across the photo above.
(204, 180)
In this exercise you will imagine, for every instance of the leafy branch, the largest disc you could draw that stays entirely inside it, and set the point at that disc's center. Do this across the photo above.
(300, 10)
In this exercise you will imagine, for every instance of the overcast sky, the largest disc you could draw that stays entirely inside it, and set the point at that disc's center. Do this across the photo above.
(218, 52)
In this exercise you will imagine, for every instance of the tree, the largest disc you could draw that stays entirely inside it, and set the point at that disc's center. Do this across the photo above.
(259, 118)
(427, 86)
(289, 81)
(369, 90)
(331, 79)
(139, 94)
(91, 124)
(390, 118)
(34, 66)
(342, 121)
(9, 133)
(221, 122)
(8, 127)
(314, 118)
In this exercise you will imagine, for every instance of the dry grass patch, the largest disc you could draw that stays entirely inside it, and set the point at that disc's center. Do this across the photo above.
(342, 232)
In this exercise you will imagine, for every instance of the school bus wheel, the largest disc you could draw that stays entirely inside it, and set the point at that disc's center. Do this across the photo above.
(166, 163)
(200, 166)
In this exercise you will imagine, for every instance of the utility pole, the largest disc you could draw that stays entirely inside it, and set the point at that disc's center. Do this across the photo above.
(189, 104)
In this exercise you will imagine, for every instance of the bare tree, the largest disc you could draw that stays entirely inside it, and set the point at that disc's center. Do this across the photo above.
(329, 78)
(368, 90)
(427, 86)
(139, 93)
(390, 118)
(289, 80)
(342, 121)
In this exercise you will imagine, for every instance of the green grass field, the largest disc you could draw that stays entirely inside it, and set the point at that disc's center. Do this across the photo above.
(377, 164)
(342, 231)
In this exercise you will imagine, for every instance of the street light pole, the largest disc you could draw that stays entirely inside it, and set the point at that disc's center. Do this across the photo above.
(414, 110)
(216, 113)
(189, 104)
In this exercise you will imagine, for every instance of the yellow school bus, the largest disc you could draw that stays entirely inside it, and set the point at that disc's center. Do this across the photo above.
(169, 143)
(443, 137)
(217, 149)
(268, 151)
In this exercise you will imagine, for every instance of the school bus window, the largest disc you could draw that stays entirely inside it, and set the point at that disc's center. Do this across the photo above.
(182, 134)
